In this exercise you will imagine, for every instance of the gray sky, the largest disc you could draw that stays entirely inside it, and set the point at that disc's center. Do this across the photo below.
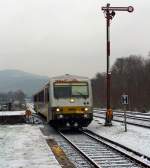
(54, 37)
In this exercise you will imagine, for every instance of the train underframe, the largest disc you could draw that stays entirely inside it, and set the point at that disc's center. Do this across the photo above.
(72, 121)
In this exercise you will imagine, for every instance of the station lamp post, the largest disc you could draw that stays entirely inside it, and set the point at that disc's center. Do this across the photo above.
(109, 14)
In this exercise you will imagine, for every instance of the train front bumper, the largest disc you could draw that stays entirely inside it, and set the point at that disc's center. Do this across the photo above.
(73, 119)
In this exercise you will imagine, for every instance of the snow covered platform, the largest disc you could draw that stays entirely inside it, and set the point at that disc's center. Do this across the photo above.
(12, 113)
(12, 117)
(23, 146)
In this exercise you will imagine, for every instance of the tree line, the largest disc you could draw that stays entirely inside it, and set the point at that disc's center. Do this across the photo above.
(12, 96)
(129, 75)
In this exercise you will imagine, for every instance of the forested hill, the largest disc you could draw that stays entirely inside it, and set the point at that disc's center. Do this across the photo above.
(12, 80)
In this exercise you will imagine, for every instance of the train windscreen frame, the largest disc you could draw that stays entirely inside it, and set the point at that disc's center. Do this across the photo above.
(68, 90)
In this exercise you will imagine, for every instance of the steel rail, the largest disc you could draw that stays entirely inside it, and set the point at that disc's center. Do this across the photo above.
(121, 153)
(105, 141)
(133, 117)
(121, 111)
(82, 153)
(129, 115)
(144, 126)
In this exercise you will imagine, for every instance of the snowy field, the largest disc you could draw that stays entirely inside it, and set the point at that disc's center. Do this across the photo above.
(136, 138)
(23, 146)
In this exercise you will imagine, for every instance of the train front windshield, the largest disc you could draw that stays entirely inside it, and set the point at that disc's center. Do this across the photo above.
(67, 90)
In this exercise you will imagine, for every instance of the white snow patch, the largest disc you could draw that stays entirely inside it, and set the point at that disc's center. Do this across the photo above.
(136, 138)
(23, 146)
(12, 113)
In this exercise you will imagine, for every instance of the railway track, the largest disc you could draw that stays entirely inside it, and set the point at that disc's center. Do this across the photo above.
(100, 153)
(130, 116)
(131, 119)
(94, 153)
(134, 115)
(121, 120)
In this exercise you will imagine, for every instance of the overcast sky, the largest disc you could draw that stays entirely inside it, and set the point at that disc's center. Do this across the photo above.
(54, 37)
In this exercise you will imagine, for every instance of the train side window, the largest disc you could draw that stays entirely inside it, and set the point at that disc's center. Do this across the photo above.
(47, 95)
(35, 98)
(41, 96)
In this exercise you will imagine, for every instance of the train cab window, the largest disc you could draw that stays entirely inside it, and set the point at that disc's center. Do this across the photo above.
(68, 90)
(35, 98)
(61, 91)
(41, 96)
(47, 95)
(80, 91)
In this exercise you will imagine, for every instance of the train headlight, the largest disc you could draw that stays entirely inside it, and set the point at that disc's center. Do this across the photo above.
(71, 100)
(85, 116)
(86, 109)
(60, 116)
(57, 109)
(68, 124)
(76, 124)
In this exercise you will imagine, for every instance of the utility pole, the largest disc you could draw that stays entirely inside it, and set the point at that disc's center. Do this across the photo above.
(109, 14)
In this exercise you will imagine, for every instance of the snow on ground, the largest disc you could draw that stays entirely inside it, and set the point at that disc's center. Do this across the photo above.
(24, 146)
(12, 113)
(136, 138)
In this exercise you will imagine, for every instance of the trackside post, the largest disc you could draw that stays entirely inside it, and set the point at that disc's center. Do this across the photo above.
(124, 101)
(109, 13)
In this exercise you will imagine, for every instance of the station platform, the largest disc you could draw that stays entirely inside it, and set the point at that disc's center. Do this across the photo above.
(23, 146)
(12, 117)
(12, 113)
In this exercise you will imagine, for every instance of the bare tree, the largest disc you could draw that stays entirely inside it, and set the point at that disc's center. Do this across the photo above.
(130, 75)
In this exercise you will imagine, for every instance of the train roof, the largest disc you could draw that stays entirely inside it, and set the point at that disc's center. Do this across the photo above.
(69, 77)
